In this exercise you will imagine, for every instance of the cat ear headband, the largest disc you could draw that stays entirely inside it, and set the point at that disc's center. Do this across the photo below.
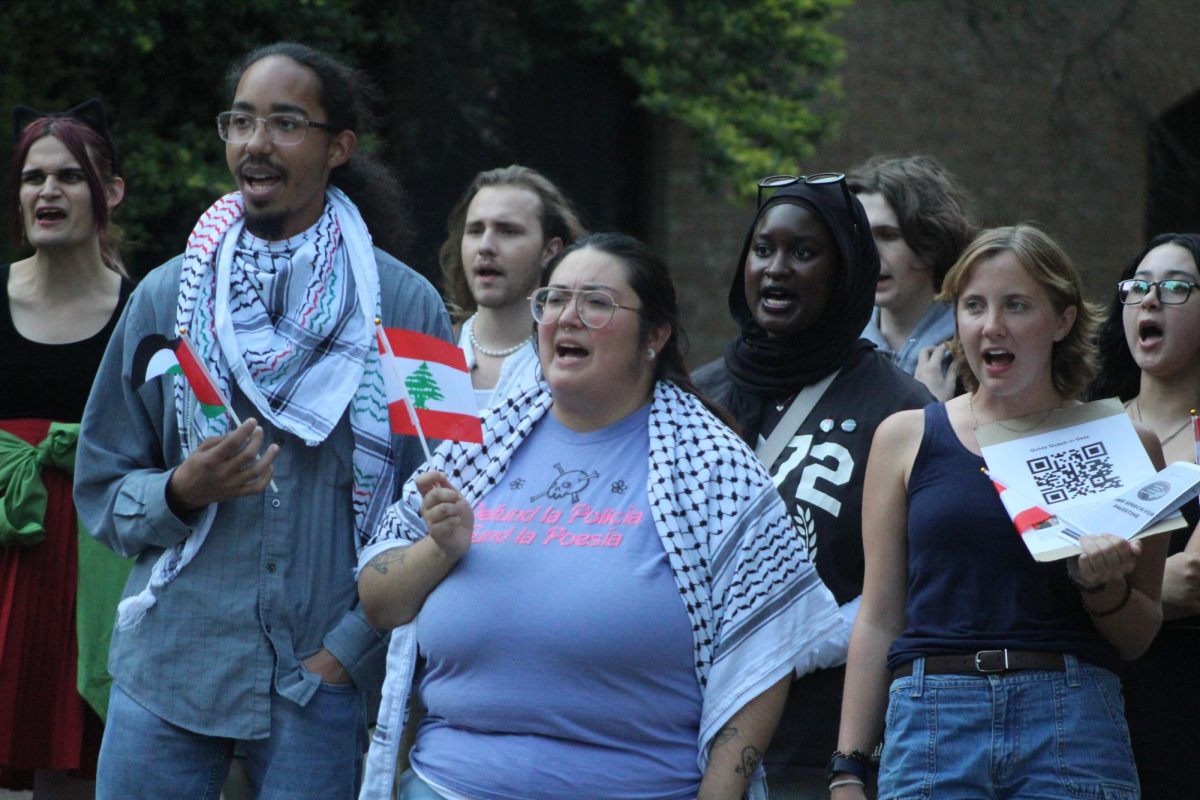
(90, 112)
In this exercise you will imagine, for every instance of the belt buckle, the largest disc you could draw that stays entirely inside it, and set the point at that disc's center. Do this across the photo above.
(991, 661)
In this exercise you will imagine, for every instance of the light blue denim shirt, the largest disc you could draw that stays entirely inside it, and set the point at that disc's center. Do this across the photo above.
(274, 582)
(934, 328)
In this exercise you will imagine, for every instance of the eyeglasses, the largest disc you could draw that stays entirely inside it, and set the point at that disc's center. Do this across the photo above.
(816, 179)
(1171, 292)
(594, 307)
(238, 127)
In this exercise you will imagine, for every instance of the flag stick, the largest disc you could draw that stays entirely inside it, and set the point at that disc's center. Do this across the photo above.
(1196, 433)
(399, 381)
(224, 400)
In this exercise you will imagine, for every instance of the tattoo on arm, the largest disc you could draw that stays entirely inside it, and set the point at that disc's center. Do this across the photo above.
(723, 737)
(380, 562)
(750, 758)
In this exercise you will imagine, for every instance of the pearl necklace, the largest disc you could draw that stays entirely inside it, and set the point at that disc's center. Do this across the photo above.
(507, 351)
(1039, 421)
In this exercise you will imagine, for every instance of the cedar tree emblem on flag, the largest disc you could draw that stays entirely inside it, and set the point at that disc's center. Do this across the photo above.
(157, 355)
(431, 374)
(423, 387)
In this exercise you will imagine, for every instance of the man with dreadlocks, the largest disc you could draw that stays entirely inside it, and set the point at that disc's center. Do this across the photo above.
(241, 624)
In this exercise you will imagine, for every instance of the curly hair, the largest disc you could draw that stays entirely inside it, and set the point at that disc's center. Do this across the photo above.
(932, 209)
(1074, 359)
(1119, 373)
(347, 97)
(558, 217)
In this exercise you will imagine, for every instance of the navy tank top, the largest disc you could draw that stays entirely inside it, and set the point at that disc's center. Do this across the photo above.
(972, 584)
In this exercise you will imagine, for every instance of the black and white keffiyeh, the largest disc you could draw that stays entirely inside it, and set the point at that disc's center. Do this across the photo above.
(292, 324)
(757, 608)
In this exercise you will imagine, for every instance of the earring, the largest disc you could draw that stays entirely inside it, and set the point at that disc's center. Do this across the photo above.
(651, 353)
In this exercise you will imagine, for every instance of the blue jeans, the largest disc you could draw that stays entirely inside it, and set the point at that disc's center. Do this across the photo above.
(1022, 734)
(313, 751)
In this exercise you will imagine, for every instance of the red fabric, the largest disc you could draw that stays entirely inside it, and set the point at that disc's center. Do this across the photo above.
(44, 723)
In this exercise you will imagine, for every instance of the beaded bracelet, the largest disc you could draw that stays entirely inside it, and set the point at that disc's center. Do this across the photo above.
(1108, 612)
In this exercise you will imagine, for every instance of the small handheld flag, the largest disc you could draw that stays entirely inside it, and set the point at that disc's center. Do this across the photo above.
(157, 355)
(428, 386)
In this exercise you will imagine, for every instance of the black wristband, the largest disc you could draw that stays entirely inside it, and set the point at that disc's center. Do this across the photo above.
(856, 763)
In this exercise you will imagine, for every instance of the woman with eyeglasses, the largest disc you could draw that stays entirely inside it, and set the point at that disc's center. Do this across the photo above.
(1151, 348)
(607, 597)
(992, 674)
(807, 393)
(58, 307)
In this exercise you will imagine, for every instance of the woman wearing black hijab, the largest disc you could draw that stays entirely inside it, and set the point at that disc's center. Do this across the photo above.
(808, 394)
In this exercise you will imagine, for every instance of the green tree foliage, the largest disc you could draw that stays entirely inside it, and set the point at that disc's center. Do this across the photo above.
(741, 76)
(750, 80)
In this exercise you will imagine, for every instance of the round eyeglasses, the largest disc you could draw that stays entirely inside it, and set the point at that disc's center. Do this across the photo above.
(1171, 292)
(816, 179)
(238, 127)
(595, 308)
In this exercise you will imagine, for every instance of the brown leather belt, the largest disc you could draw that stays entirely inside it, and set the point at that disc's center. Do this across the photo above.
(985, 662)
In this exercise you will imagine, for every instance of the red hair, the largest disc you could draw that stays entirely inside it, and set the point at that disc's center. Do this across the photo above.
(95, 156)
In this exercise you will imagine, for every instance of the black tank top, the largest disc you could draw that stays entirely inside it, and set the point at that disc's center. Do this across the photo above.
(48, 381)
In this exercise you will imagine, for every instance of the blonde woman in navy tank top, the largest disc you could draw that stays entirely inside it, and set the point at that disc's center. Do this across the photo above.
(994, 675)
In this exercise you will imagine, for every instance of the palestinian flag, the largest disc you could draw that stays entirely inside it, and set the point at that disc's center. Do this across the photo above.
(432, 374)
(157, 355)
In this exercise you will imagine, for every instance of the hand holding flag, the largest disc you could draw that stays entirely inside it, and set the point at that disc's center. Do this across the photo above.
(157, 355)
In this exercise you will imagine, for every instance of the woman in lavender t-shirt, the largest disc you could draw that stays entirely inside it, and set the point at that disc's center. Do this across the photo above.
(607, 598)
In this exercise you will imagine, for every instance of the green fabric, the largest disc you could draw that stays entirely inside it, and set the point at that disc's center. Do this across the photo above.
(102, 577)
(23, 498)
(102, 573)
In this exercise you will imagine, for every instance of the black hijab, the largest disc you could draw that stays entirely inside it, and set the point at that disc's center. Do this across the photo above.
(762, 367)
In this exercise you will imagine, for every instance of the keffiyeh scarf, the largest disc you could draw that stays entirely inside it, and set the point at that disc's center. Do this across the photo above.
(756, 605)
(292, 323)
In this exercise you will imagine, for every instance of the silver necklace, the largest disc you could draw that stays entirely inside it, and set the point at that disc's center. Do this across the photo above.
(1137, 406)
(1039, 421)
(507, 351)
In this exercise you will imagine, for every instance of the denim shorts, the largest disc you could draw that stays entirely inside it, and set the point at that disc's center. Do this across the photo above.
(1021, 734)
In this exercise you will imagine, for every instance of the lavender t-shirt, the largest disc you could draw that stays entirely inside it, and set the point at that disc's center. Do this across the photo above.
(558, 654)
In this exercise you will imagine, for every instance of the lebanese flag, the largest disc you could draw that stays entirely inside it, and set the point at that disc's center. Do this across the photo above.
(1025, 516)
(157, 355)
(432, 374)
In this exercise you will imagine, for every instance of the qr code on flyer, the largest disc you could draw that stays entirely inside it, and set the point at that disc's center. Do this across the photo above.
(1073, 473)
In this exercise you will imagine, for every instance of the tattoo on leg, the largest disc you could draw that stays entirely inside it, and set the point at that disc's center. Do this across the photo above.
(750, 758)
(380, 562)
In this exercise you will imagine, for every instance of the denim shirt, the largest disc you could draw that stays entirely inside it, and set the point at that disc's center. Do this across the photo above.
(934, 328)
(274, 582)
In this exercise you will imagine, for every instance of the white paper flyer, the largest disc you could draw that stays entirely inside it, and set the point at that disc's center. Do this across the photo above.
(1082, 470)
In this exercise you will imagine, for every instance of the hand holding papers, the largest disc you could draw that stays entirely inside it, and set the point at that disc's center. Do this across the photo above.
(1083, 471)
